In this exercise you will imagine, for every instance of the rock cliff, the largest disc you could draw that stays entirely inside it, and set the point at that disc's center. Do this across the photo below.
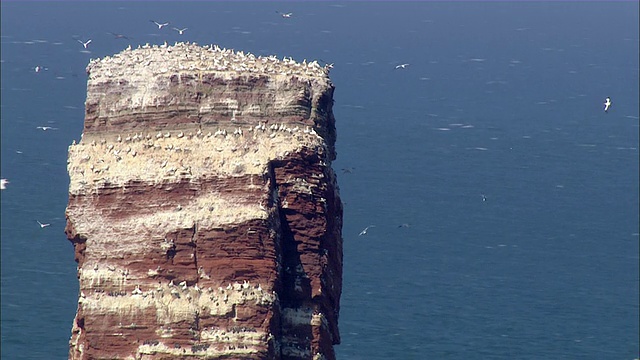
(203, 209)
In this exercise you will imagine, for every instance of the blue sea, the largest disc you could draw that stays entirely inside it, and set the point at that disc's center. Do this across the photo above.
(518, 193)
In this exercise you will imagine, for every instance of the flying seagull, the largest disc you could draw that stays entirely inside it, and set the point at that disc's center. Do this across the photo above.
(364, 232)
(484, 198)
(160, 26)
(180, 31)
(85, 44)
(42, 225)
(402, 66)
(607, 104)
(285, 15)
(3, 184)
(118, 36)
(45, 128)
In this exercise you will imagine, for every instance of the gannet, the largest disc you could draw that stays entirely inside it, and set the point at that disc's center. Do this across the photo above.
(180, 31)
(484, 198)
(42, 225)
(364, 232)
(402, 66)
(607, 104)
(45, 128)
(118, 36)
(285, 15)
(85, 44)
(160, 26)
(3, 184)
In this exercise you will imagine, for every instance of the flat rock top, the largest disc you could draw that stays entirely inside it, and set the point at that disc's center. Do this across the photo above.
(191, 57)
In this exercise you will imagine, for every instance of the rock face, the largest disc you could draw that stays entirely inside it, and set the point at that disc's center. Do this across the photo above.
(203, 208)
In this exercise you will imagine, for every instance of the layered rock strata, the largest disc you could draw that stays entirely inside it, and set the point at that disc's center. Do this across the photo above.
(203, 209)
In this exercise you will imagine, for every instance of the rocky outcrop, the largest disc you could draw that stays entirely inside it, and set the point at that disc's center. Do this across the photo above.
(203, 208)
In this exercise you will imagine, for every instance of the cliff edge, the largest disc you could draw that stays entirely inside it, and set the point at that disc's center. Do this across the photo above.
(203, 209)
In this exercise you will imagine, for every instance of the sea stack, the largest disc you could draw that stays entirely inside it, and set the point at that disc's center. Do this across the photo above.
(203, 209)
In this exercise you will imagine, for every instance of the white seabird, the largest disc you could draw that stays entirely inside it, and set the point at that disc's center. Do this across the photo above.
(364, 232)
(180, 31)
(85, 44)
(160, 26)
(42, 225)
(285, 15)
(402, 66)
(3, 184)
(45, 128)
(607, 104)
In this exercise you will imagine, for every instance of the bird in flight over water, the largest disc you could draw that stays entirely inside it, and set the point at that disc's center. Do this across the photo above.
(607, 104)
(402, 66)
(364, 232)
(42, 225)
(285, 15)
(45, 128)
(3, 184)
(118, 36)
(85, 44)
(160, 26)
(180, 31)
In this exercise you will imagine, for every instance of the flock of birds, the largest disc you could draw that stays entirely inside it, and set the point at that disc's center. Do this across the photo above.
(85, 46)
(161, 25)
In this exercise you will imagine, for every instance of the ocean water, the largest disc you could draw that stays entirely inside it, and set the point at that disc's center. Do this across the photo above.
(501, 100)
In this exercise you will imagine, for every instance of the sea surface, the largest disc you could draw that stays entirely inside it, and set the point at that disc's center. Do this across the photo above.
(504, 199)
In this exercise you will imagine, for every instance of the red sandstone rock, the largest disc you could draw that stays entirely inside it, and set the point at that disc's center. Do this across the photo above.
(203, 209)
